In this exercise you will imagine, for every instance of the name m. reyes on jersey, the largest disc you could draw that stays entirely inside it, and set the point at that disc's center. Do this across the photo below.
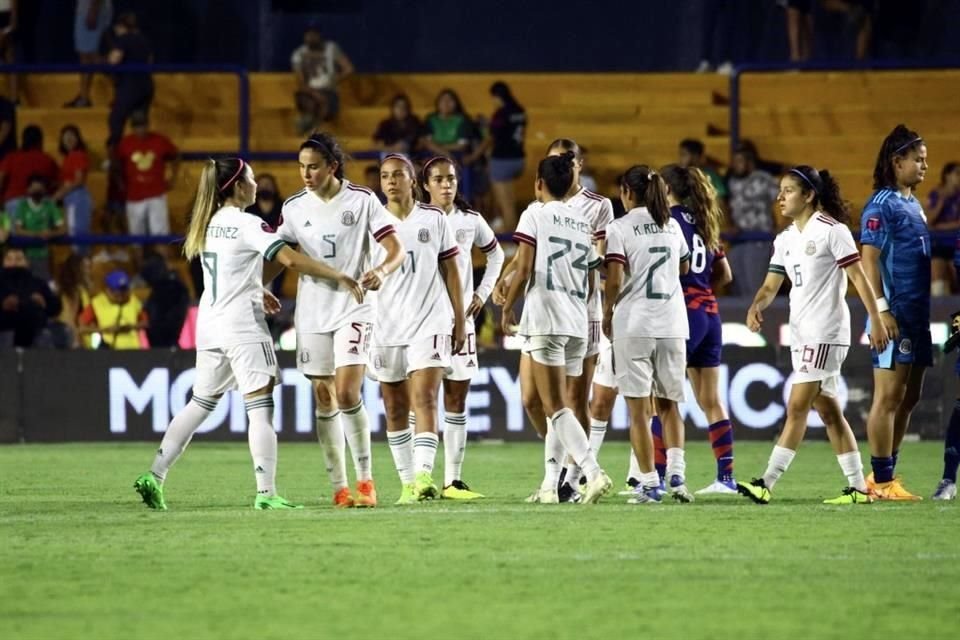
(228, 233)
(572, 223)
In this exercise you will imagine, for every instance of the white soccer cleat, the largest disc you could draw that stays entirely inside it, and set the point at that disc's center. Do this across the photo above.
(678, 490)
(946, 490)
(718, 488)
(543, 496)
(597, 488)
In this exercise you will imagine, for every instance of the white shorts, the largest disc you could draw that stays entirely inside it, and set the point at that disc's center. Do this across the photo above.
(603, 375)
(593, 338)
(148, 217)
(645, 366)
(464, 364)
(395, 364)
(321, 354)
(557, 351)
(819, 363)
(246, 367)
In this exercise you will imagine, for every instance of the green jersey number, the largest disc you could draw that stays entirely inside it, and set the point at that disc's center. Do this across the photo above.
(209, 261)
(579, 263)
(662, 260)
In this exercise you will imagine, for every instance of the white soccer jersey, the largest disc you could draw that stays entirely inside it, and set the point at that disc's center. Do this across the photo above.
(471, 230)
(341, 232)
(599, 213)
(556, 296)
(651, 303)
(413, 301)
(231, 307)
(813, 260)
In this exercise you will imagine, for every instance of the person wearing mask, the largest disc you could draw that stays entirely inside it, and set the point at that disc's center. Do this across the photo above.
(26, 301)
(18, 166)
(37, 216)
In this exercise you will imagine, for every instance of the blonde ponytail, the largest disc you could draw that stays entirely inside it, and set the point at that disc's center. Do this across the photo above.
(206, 203)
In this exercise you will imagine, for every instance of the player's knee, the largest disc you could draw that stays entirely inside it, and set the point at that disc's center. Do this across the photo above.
(530, 400)
(425, 400)
(798, 407)
(347, 398)
(889, 400)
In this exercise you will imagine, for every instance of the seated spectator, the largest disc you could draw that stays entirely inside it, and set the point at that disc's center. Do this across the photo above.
(74, 284)
(133, 91)
(752, 195)
(168, 303)
(692, 153)
(150, 163)
(269, 201)
(26, 303)
(17, 167)
(115, 314)
(91, 19)
(371, 180)
(401, 131)
(943, 214)
(448, 130)
(8, 127)
(318, 65)
(37, 216)
(73, 192)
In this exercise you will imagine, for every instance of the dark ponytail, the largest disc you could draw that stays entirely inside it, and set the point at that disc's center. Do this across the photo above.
(898, 143)
(557, 174)
(328, 147)
(458, 201)
(649, 190)
(826, 191)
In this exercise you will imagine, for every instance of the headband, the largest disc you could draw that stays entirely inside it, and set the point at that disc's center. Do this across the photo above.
(435, 159)
(904, 146)
(806, 179)
(404, 159)
(230, 181)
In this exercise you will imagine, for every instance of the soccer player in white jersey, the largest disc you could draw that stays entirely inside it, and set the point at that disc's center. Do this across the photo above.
(469, 230)
(556, 249)
(419, 309)
(234, 348)
(817, 254)
(338, 222)
(645, 316)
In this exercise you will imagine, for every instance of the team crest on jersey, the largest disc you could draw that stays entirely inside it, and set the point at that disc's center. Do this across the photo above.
(461, 236)
(304, 356)
(424, 235)
(348, 218)
(689, 218)
(811, 248)
(906, 346)
(377, 362)
(873, 223)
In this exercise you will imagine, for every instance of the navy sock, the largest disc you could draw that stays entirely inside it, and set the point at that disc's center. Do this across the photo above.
(896, 458)
(882, 468)
(659, 450)
(951, 445)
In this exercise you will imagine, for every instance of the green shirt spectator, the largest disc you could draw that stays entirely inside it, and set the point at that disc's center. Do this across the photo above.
(5, 228)
(36, 216)
(449, 128)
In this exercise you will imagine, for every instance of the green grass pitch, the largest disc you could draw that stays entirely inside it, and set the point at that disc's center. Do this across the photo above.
(81, 557)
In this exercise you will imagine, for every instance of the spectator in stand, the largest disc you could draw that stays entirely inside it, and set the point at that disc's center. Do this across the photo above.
(167, 305)
(19, 166)
(943, 214)
(752, 195)
(448, 130)
(269, 201)
(150, 164)
(73, 193)
(860, 16)
(799, 28)
(319, 65)
(401, 131)
(371, 180)
(115, 314)
(37, 216)
(90, 21)
(505, 146)
(692, 153)
(8, 127)
(26, 303)
(8, 43)
(717, 31)
(74, 284)
(133, 91)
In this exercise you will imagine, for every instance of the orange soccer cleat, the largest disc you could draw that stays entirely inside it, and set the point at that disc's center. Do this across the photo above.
(342, 499)
(366, 494)
(892, 490)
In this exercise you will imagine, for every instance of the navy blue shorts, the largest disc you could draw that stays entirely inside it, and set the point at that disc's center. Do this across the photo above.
(706, 339)
(914, 347)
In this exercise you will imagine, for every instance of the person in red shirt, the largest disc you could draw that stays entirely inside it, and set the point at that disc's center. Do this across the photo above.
(73, 192)
(30, 160)
(149, 166)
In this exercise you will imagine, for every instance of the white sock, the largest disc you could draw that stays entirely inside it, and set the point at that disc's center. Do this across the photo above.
(648, 480)
(178, 434)
(454, 444)
(598, 431)
(575, 442)
(425, 451)
(780, 459)
(263, 443)
(573, 474)
(635, 472)
(401, 446)
(852, 467)
(552, 457)
(356, 428)
(330, 436)
(676, 463)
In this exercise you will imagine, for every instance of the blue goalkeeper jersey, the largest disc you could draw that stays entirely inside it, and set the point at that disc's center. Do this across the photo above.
(897, 227)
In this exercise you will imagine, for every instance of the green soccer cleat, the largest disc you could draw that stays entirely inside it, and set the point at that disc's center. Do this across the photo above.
(408, 495)
(151, 491)
(756, 490)
(458, 490)
(851, 496)
(274, 502)
(424, 487)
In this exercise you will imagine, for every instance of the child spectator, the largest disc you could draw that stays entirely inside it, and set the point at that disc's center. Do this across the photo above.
(115, 314)
(18, 167)
(73, 193)
(26, 302)
(91, 19)
(133, 92)
(401, 131)
(943, 214)
(753, 192)
(37, 216)
(318, 65)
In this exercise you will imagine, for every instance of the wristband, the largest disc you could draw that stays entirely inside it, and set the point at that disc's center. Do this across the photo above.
(882, 305)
